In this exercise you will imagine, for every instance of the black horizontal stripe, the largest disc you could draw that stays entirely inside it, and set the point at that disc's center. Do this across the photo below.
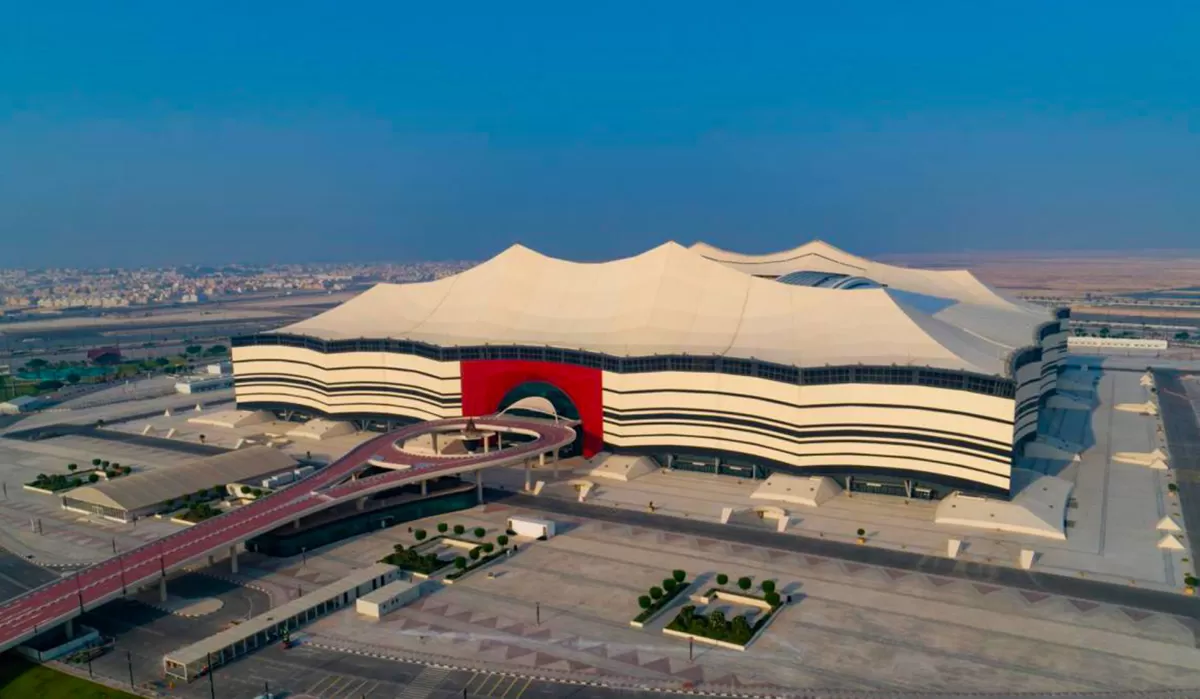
(348, 387)
(672, 443)
(950, 438)
(283, 398)
(851, 436)
(243, 362)
(807, 406)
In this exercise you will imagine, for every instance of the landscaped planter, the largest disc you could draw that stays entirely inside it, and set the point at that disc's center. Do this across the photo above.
(483, 562)
(769, 613)
(660, 605)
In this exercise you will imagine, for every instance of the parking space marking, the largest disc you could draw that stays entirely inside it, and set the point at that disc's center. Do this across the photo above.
(521, 691)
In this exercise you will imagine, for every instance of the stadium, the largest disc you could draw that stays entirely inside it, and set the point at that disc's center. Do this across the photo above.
(812, 361)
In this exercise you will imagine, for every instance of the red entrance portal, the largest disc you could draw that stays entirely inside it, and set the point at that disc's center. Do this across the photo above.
(485, 383)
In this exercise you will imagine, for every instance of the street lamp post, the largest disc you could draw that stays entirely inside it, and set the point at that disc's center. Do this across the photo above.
(212, 687)
(537, 609)
(129, 658)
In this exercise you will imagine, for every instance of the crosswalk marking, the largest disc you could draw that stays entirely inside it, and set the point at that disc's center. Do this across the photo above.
(424, 683)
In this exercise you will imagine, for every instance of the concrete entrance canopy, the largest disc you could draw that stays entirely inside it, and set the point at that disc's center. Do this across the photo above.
(57, 602)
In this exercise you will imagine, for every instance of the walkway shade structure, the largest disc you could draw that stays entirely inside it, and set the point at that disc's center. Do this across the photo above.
(192, 661)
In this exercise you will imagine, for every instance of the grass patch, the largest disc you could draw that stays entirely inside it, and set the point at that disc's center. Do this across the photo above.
(483, 560)
(20, 678)
(414, 561)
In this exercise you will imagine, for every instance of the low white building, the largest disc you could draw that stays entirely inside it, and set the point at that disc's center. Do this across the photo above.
(389, 598)
(1075, 342)
(531, 527)
(21, 404)
(203, 383)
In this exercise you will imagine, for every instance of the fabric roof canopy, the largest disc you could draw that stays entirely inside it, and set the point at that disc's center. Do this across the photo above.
(153, 487)
(976, 307)
(668, 300)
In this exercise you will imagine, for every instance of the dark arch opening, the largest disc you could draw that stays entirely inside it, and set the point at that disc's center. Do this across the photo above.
(563, 405)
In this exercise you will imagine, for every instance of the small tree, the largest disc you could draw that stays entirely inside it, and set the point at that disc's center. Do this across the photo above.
(398, 548)
(443, 527)
(744, 583)
(722, 579)
(679, 575)
(489, 547)
(126, 470)
(768, 586)
(474, 554)
(104, 463)
(95, 462)
(245, 490)
(459, 529)
(502, 540)
(644, 601)
(460, 562)
(480, 532)
(114, 465)
(72, 467)
(862, 532)
(773, 598)
(1172, 487)
(419, 534)
(1191, 581)
(93, 477)
(656, 592)
(669, 584)
(203, 438)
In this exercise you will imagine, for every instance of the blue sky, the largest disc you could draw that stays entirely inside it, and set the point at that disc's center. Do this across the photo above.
(159, 133)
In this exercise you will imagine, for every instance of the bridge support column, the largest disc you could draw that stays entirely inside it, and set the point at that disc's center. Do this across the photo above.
(424, 488)
(69, 629)
(542, 459)
(233, 559)
(212, 559)
(360, 504)
(162, 589)
(486, 439)
(527, 468)
(296, 523)
(434, 437)
(479, 487)
(556, 463)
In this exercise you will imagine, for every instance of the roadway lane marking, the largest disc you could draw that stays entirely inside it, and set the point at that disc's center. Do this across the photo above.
(522, 689)
(351, 690)
(313, 690)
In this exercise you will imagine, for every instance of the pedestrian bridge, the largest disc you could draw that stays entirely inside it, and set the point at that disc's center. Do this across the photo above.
(506, 441)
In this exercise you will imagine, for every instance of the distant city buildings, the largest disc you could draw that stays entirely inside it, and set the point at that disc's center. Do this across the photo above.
(56, 290)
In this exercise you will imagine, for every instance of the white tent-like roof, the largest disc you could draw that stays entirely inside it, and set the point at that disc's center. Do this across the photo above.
(969, 303)
(668, 300)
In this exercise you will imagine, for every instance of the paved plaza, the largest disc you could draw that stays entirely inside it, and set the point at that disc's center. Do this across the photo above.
(560, 609)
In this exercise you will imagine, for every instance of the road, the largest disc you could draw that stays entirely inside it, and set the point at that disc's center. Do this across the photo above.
(18, 575)
(1082, 588)
(1183, 443)
(52, 604)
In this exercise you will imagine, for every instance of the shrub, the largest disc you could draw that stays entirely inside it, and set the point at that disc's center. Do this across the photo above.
(679, 575)
(126, 470)
(744, 583)
(768, 586)
(1191, 581)
(245, 490)
(419, 534)
(669, 584)
(656, 592)
(740, 631)
(1172, 487)
(502, 540)
(257, 492)
(398, 548)
(644, 601)
(862, 532)
(443, 527)
(113, 465)
(459, 529)
(460, 563)
(93, 477)
(104, 463)
(722, 579)
(72, 467)
(480, 532)
(489, 547)
(95, 462)
(773, 598)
